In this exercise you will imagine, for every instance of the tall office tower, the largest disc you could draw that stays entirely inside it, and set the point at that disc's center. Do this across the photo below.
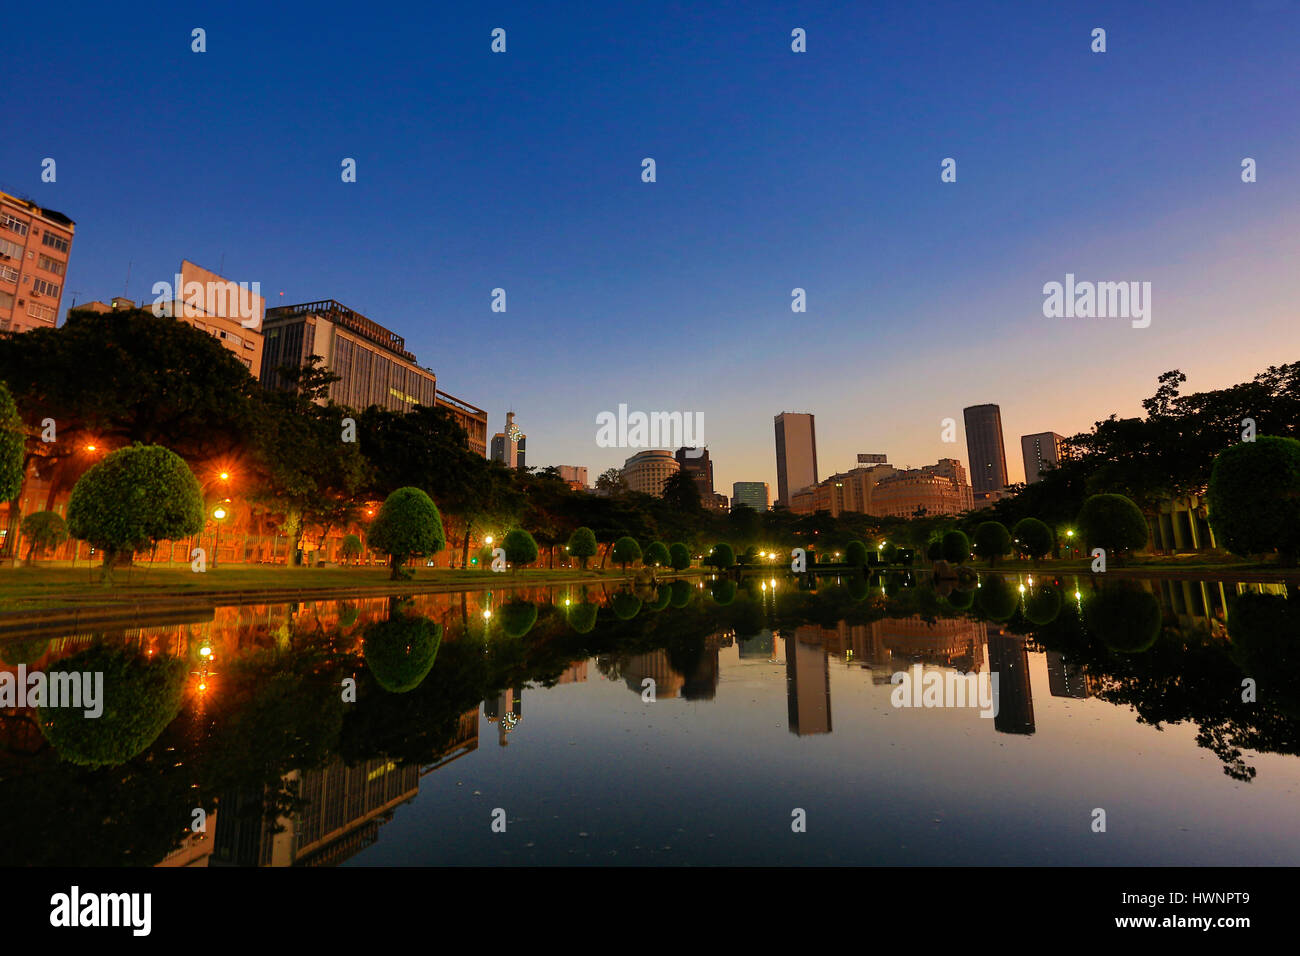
(988, 455)
(755, 494)
(34, 246)
(700, 468)
(1041, 449)
(796, 454)
(372, 363)
(508, 446)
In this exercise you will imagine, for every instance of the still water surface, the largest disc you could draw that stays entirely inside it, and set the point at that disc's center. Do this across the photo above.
(772, 704)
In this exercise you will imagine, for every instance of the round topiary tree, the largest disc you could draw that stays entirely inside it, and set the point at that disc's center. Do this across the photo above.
(662, 596)
(582, 617)
(955, 547)
(401, 650)
(858, 587)
(1042, 604)
(44, 531)
(408, 525)
(140, 696)
(721, 557)
(133, 499)
(1033, 538)
(1113, 523)
(679, 556)
(681, 594)
(723, 591)
(995, 598)
(1125, 617)
(855, 554)
(1254, 498)
(351, 548)
(960, 599)
(626, 550)
(626, 605)
(657, 555)
(992, 541)
(517, 617)
(24, 650)
(520, 548)
(582, 545)
(934, 550)
(12, 441)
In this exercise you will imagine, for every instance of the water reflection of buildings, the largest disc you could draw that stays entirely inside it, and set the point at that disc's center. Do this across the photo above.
(1009, 659)
(1065, 678)
(808, 681)
(342, 811)
(505, 710)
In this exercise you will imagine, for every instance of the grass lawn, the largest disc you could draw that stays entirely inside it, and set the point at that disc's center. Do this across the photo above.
(58, 583)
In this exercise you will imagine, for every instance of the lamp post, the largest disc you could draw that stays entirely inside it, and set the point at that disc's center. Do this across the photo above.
(218, 515)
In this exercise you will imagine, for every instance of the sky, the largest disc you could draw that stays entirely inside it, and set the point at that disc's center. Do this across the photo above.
(775, 170)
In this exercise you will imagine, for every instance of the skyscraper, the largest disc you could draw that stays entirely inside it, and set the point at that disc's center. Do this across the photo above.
(755, 494)
(698, 466)
(1043, 448)
(987, 453)
(509, 446)
(796, 454)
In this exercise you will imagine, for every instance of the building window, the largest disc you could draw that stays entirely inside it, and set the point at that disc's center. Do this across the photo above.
(6, 300)
(43, 312)
(249, 345)
(14, 224)
(8, 273)
(52, 265)
(10, 250)
(42, 287)
(55, 242)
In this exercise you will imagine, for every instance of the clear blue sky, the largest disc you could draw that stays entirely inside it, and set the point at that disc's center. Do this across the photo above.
(775, 170)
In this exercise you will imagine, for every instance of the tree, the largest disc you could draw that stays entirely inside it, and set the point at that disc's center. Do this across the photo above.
(855, 554)
(12, 442)
(626, 550)
(44, 530)
(351, 547)
(955, 547)
(1033, 538)
(679, 556)
(401, 650)
(1254, 497)
(408, 525)
(611, 482)
(992, 540)
(682, 494)
(721, 557)
(1113, 523)
(582, 545)
(133, 499)
(657, 555)
(520, 548)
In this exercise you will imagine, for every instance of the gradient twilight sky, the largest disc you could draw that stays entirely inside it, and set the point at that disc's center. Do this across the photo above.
(776, 170)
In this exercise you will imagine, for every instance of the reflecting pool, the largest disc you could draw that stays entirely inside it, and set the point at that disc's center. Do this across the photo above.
(763, 720)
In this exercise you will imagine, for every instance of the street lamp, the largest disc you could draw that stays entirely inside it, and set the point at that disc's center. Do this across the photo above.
(218, 514)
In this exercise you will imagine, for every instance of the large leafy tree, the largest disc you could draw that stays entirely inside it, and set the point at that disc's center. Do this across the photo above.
(307, 468)
(133, 499)
(43, 531)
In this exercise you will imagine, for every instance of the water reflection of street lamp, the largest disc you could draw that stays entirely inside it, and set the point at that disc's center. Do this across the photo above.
(218, 514)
